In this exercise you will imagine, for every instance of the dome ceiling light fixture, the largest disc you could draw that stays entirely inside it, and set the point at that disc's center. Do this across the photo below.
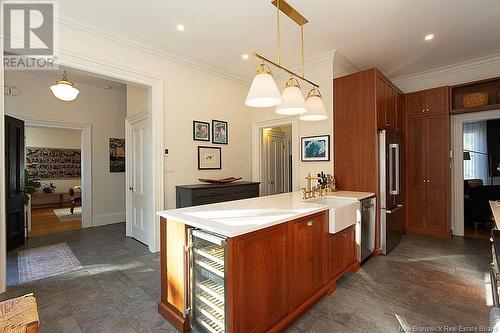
(262, 92)
(64, 90)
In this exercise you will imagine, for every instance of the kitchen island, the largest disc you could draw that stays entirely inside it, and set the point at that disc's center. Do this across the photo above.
(253, 265)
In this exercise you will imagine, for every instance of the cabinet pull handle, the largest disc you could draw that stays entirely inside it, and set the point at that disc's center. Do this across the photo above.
(311, 223)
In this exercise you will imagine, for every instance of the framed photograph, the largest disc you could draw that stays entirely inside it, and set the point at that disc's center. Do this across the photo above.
(315, 148)
(201, 131)
(116, 155)
(219, 132)
(209, 158)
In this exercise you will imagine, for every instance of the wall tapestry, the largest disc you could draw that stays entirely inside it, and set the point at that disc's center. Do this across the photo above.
(53, 163)
(116, 155)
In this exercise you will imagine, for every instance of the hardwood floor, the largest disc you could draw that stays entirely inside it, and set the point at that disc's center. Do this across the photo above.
(44, 221)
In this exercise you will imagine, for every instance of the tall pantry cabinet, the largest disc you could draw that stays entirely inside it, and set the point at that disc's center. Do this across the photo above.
(428, 162)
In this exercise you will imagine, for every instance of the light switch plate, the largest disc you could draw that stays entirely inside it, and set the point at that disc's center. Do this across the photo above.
(169, 167)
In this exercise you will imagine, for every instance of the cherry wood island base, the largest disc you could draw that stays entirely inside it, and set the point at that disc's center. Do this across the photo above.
(273, 275)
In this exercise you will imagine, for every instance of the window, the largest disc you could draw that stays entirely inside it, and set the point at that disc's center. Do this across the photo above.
(475, 142)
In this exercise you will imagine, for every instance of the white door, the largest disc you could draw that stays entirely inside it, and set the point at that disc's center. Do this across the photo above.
(140, 182)
(275, 162)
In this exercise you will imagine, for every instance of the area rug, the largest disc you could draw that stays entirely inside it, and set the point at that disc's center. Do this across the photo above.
(46, 261)
(64, 215)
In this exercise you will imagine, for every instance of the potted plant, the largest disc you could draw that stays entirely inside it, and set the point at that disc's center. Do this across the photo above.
(31, 185)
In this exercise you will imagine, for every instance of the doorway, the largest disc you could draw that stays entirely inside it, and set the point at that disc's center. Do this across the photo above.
(276, 157)
(53, 179)
(475, 171)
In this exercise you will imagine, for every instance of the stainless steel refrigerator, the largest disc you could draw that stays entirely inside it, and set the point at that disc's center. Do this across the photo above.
(391, 200)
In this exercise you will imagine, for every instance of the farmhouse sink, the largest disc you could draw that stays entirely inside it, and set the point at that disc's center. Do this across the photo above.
(343, 213)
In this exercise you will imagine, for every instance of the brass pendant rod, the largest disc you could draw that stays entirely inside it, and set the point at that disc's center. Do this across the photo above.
(285, 69)
(278, 39)
(302, 47)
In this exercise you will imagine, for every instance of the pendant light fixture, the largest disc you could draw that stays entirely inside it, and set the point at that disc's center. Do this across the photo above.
(64, 90)
(293, 101)
(263, 91)
(315, 108)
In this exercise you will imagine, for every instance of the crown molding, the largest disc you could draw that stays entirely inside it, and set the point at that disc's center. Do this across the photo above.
(156, 50)
(447, 70)
(345, 63)
(328, 57)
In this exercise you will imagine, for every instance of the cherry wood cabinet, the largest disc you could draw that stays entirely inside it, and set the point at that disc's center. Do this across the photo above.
(364, 102)
(341, 252)
(427, 101)
(260, 271)
(272, 276)
(428, 163)
(386, 103)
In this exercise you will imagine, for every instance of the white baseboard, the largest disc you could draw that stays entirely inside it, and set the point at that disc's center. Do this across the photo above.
(111, 218)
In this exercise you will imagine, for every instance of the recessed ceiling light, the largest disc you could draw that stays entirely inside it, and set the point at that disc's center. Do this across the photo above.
(245, 56)
(180, 27)
(429, 37)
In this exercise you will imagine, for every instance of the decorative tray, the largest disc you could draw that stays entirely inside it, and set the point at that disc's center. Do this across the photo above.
(219, 181)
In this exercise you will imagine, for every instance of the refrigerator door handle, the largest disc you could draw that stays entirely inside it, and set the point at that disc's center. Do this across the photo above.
(394, 168)
(392, 210)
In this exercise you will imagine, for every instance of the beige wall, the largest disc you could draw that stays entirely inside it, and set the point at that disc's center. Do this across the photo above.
(104, 109)
(137, 100)
(54, 138)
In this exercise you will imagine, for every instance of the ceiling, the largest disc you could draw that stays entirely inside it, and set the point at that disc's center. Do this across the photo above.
(388, 34)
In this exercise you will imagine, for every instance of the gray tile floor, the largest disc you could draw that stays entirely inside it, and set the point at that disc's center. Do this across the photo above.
(429, 283)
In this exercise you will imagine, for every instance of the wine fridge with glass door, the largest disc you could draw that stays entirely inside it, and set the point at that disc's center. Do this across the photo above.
(207, 261)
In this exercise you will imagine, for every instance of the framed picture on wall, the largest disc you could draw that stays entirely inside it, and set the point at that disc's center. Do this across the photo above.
(219, 132)
(209, 158)
(315, 148)
(201, 131)
(116, 155)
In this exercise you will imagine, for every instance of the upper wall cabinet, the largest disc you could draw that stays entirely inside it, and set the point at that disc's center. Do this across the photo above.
(427, 101)
(386, 103)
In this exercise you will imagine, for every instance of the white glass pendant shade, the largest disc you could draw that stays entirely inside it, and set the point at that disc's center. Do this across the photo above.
(293, 101)
(64, 90)
(263, 92)
(315, 108)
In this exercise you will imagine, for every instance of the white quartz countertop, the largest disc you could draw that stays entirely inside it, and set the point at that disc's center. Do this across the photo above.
(234, 218)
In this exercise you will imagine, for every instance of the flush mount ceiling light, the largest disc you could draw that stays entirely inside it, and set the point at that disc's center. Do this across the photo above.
(429, 37)
(180, 27)
(245, 56)
(316, 108)
(291, 102)
(64, 90)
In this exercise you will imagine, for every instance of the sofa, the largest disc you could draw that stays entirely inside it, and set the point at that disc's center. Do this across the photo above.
(476, 202)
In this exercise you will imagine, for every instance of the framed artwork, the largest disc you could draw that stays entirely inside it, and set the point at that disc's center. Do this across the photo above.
(53, 163)
(209, 158)
(116, 155)
(219, 132)
(201, 131)
(315, 148)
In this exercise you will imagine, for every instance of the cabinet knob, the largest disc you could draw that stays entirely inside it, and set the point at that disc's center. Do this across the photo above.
(427, 110)
(345, 235)
(311, 223)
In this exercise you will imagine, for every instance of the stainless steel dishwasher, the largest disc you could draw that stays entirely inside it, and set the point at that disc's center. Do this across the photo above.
(368, 211)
